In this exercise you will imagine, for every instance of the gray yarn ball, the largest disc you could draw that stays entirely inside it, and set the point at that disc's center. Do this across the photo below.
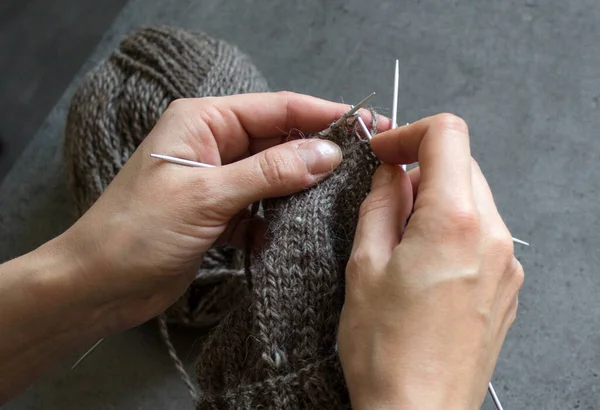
(118, 104)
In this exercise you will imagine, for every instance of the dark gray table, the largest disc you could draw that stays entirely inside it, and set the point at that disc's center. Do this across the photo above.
(526, 77)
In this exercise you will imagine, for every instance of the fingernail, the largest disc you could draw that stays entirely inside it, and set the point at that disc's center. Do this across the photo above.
(320, 156)
(383, 176)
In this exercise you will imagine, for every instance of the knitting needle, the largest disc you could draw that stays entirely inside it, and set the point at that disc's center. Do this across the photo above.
(353, 111)
(494, 397)
(181, 161)
(364, 128)
(86, 354)
(395, 101)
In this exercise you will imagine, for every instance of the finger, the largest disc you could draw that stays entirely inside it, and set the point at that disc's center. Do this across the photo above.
(278, 171)
(484, 198)
(441, 146)
(415, 177)
(241, 125)
(383, 213)
(243, 228)
(493, 226)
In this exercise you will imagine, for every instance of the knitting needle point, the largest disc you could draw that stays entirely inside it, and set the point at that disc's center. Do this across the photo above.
(395, 101)
(494, 397)
(182, 161)
(516, 240)
(353, 110)
(86, 354)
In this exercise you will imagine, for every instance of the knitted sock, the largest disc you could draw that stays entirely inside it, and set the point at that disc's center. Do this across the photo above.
(118, 104)
(277, 349)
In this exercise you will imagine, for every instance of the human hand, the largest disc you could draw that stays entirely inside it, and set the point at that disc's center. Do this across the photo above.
(426, 311)
(141, 243)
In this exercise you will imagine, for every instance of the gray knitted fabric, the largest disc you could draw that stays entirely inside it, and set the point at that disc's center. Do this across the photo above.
(277, 350)
(117, 105)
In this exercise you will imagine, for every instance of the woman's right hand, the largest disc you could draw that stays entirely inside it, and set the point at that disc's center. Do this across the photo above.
(428, 304)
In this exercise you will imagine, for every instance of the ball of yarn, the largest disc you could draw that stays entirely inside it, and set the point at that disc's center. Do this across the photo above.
(117, 105)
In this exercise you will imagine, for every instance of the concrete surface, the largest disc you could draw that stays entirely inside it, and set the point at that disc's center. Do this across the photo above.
(525, 76)
(42, 46)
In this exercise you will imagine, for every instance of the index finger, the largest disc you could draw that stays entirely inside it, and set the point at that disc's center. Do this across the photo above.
(441, 146)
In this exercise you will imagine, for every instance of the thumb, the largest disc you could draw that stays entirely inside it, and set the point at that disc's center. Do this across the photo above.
(278, 171)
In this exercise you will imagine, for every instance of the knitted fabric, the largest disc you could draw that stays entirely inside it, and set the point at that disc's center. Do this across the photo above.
(118, 104)
(277, 349)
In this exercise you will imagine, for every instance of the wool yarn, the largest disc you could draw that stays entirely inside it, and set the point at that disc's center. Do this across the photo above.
(120, 101)
(277, 349)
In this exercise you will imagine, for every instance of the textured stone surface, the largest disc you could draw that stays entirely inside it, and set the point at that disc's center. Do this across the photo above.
(42, 45)
(523, 74)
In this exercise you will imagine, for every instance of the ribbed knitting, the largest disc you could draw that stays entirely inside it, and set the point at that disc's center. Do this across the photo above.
(277, 350)
(117, 105)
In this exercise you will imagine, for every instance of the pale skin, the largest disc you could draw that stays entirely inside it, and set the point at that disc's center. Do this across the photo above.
(427, 305)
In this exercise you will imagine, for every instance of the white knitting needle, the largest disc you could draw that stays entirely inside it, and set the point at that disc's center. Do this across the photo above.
(494, 397)
(86, 354)
(353, 110)
(182, 161)
(364, 128)
(395, 101)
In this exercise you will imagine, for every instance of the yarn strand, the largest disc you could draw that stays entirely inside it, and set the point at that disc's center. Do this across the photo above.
(164, 332)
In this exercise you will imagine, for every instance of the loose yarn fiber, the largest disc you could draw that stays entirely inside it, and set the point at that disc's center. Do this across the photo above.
(277, 349)
(118, 104)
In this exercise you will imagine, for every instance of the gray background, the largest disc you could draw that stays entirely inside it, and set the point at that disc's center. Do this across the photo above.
(42, 45)
(525, 75)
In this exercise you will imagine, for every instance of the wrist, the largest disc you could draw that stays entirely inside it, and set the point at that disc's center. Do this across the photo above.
(44, 316)
(409, 392)
(56, 278)
(415, 399)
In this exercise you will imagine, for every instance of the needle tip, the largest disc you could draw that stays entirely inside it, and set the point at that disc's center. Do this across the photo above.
(516, 240)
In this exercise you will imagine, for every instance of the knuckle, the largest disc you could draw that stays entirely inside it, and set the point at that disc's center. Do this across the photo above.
(286, 95)
(502, 243)
(463, 220)
(518, 275)
(178, 106)
(287, 98)
(275, 168)
(374, 203)
(452, 122)
(360, 261)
